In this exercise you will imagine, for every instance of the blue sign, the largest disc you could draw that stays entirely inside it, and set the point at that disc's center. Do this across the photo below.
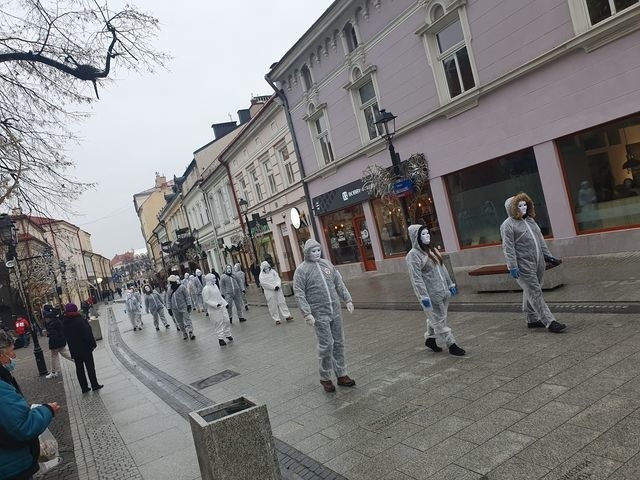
(403, 188)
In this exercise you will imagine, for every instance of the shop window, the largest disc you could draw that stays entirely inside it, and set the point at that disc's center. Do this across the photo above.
(602, 169)
(477, 195)
(339, 228)
(392, 227)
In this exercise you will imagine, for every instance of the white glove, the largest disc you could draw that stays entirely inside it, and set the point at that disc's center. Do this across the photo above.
(350, 307)
(311, 321)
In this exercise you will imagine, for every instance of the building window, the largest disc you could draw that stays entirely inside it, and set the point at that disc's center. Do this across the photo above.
(307, 82)
(244, 189)
(477, 196)
(284, 159)
(221, 204)
(350, 36)
(448, 49)
(602, 171)
(600, 10)
(320, 135)
(270, 176)
(365, 99)
(253, 174)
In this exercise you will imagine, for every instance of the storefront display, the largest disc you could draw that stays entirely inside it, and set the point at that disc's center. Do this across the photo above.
(340, 233)
(602, 170)
(477, 195)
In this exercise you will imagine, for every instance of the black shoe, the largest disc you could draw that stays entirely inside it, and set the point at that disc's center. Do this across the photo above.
(166, 326)
(185, 336)
(222, 343)
(86, 390)
(431, 343)
(157, 329)
(535, 325)
(246, 308)
(230, 339)
(243, 320)
(192, 336)
(556, 327)
(97, 387)
(230, 320)
(456, 350)
(135, 329)
(177, 328)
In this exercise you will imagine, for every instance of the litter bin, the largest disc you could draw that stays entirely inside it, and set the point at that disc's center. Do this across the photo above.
(287, 289)
(234, 441)
(95, 328)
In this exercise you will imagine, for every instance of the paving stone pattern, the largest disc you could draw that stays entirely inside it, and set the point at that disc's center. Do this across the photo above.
(183, 399)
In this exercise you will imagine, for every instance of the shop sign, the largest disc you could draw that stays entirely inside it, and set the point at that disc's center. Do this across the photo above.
(403, 188)
(345, 196)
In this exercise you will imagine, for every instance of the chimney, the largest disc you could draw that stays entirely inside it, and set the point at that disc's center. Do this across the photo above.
(244, 115)
(221, 129)
(161, 180)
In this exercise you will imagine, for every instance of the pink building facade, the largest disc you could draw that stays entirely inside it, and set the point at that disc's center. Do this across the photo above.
(501, 97)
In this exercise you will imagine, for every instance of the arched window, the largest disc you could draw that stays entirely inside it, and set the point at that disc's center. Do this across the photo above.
(351, 36)
(307, 82)
(356, 74)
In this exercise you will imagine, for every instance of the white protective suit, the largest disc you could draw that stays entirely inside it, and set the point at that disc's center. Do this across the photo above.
(232, 291)
(430, 280)
(318, 288)
(179, 305)
(196, 285)
(525, 249)
(272, 286)
(217, 307)
(242, 280)
(154, 305)
(133, 308)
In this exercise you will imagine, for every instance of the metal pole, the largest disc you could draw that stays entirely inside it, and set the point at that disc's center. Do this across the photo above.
(37, 350)
(253, 245)
(395, 160)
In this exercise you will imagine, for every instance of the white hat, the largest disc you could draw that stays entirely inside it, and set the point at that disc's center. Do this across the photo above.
(173, 278)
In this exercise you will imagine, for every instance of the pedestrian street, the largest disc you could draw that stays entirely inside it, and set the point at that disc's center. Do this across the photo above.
(523, 404)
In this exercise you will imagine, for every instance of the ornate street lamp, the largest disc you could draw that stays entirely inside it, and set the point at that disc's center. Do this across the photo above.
(387, 121)
(9, 238)
(244, 207)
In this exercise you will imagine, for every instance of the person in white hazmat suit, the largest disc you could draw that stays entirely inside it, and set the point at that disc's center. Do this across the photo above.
(232, 291)
(272, 286)
(179, 306)
(197, 284)
(133, 308)
(153, 304)
(318, 288)
(526, 253)
(217, 308)
(433, 286)
(187, 284)
(242, 280)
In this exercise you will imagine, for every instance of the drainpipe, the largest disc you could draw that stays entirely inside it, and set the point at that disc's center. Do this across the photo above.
(296, 147)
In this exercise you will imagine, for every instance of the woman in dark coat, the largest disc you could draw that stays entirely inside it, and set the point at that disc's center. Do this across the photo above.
(77, 332)
(57, 342)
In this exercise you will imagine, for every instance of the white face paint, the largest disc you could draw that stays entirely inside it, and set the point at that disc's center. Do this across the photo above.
(425, 237)
(316, 253)
(522, 206)
(228, 269)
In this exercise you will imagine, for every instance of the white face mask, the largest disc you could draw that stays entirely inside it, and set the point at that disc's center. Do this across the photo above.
(316, 253)
(228, 269)
(522, 206)
(425, 237)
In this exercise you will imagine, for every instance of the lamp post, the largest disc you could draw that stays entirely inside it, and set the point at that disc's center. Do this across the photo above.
(63, 273)
(99, 282)
(8, 236)
(244, 207)
(387, 121)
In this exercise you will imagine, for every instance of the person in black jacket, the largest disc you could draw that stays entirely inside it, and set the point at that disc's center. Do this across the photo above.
(57, 342)
(77, 332)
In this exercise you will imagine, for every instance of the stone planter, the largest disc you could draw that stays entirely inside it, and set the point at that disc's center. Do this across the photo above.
(234, 441)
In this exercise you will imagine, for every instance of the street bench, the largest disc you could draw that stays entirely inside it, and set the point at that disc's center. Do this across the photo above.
(496, 278)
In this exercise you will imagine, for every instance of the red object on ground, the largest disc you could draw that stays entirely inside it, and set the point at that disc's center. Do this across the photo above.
(22, 325)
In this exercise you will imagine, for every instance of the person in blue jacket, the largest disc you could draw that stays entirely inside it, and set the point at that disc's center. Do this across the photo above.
(20, 425)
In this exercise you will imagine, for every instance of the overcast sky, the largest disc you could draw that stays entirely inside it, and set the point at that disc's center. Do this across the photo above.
(143, 124)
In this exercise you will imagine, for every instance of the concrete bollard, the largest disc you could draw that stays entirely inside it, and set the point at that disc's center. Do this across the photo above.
(234, 441)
